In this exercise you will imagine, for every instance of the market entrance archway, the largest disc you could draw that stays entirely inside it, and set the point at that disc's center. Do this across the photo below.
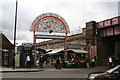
(50, 22)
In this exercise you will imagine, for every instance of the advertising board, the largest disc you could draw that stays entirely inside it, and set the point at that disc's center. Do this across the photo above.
(100, 25)
(109, 31)
(117, 30)
(27, 44)
(103, 32)
(107, 23)
(115, 20)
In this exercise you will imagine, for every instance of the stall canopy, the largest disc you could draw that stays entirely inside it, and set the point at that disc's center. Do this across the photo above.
(55, 51)
(79, 51)
(43, 51)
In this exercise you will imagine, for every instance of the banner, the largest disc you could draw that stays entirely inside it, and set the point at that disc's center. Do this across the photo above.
(107, 23)
(109, 31)
(100, 25)
(115, 20)
(49, 22)
(117, 30)
(103, 32)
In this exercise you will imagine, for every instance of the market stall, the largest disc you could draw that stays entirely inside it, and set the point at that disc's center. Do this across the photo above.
(76, 58)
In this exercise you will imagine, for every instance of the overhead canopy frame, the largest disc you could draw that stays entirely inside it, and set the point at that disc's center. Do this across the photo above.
(49, 37)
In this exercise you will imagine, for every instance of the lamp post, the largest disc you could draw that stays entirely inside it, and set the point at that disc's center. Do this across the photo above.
(15, 34)
(66, 44)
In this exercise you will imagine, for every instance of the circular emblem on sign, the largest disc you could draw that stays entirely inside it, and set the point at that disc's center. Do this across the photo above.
(49, 22)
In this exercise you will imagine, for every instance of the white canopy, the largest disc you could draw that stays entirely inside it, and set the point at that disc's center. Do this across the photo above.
(54, 51)
(79, 50)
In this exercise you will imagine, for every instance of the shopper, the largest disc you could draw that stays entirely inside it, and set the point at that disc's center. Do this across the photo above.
(49, 62)
(41, 61)
(87, 62)
(28, 61)
(58, 63)
(110, 62)
(93, 62)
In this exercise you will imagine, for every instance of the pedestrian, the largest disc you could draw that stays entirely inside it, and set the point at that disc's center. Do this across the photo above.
(73, 63)
(49, 62)
(58, 63)
(41, 61)
(37, 64)
(28, 61)
(95, 58)
(87, 62)
(113, 61)
(93, 62)
(110, 62)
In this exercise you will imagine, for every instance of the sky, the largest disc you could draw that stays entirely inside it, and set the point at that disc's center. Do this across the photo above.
(75, 12)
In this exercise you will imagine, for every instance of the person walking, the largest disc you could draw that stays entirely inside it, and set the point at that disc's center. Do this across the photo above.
(93, 62)
(87, 62)
(110, 62)
(49, 62)
(41, 61)
(58, 63)
(28, 61)
(73, 63)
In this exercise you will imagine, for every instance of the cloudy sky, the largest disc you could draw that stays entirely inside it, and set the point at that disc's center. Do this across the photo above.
(75, 12)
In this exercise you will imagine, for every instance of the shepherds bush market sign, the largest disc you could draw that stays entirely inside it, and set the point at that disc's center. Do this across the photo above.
(108, 27)
(49, 22)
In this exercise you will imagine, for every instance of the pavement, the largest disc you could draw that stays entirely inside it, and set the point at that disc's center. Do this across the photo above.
(48, 73)
(5, 70)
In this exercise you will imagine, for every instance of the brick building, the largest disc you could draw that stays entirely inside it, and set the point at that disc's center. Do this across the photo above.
(6, 48)
(101, 38)
(108, 40)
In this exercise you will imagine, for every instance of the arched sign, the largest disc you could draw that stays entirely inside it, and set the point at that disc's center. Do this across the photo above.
(48, 22)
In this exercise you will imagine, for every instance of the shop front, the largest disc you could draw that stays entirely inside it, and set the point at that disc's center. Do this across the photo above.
(21, 57)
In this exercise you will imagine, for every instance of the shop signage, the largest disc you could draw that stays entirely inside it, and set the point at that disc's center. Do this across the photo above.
(115, 21)
(50, 22)
(102, 32)
(107, 23)
(108, 27)
(117, 30)
(27, 44)
(109, 31)
(100, 25)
